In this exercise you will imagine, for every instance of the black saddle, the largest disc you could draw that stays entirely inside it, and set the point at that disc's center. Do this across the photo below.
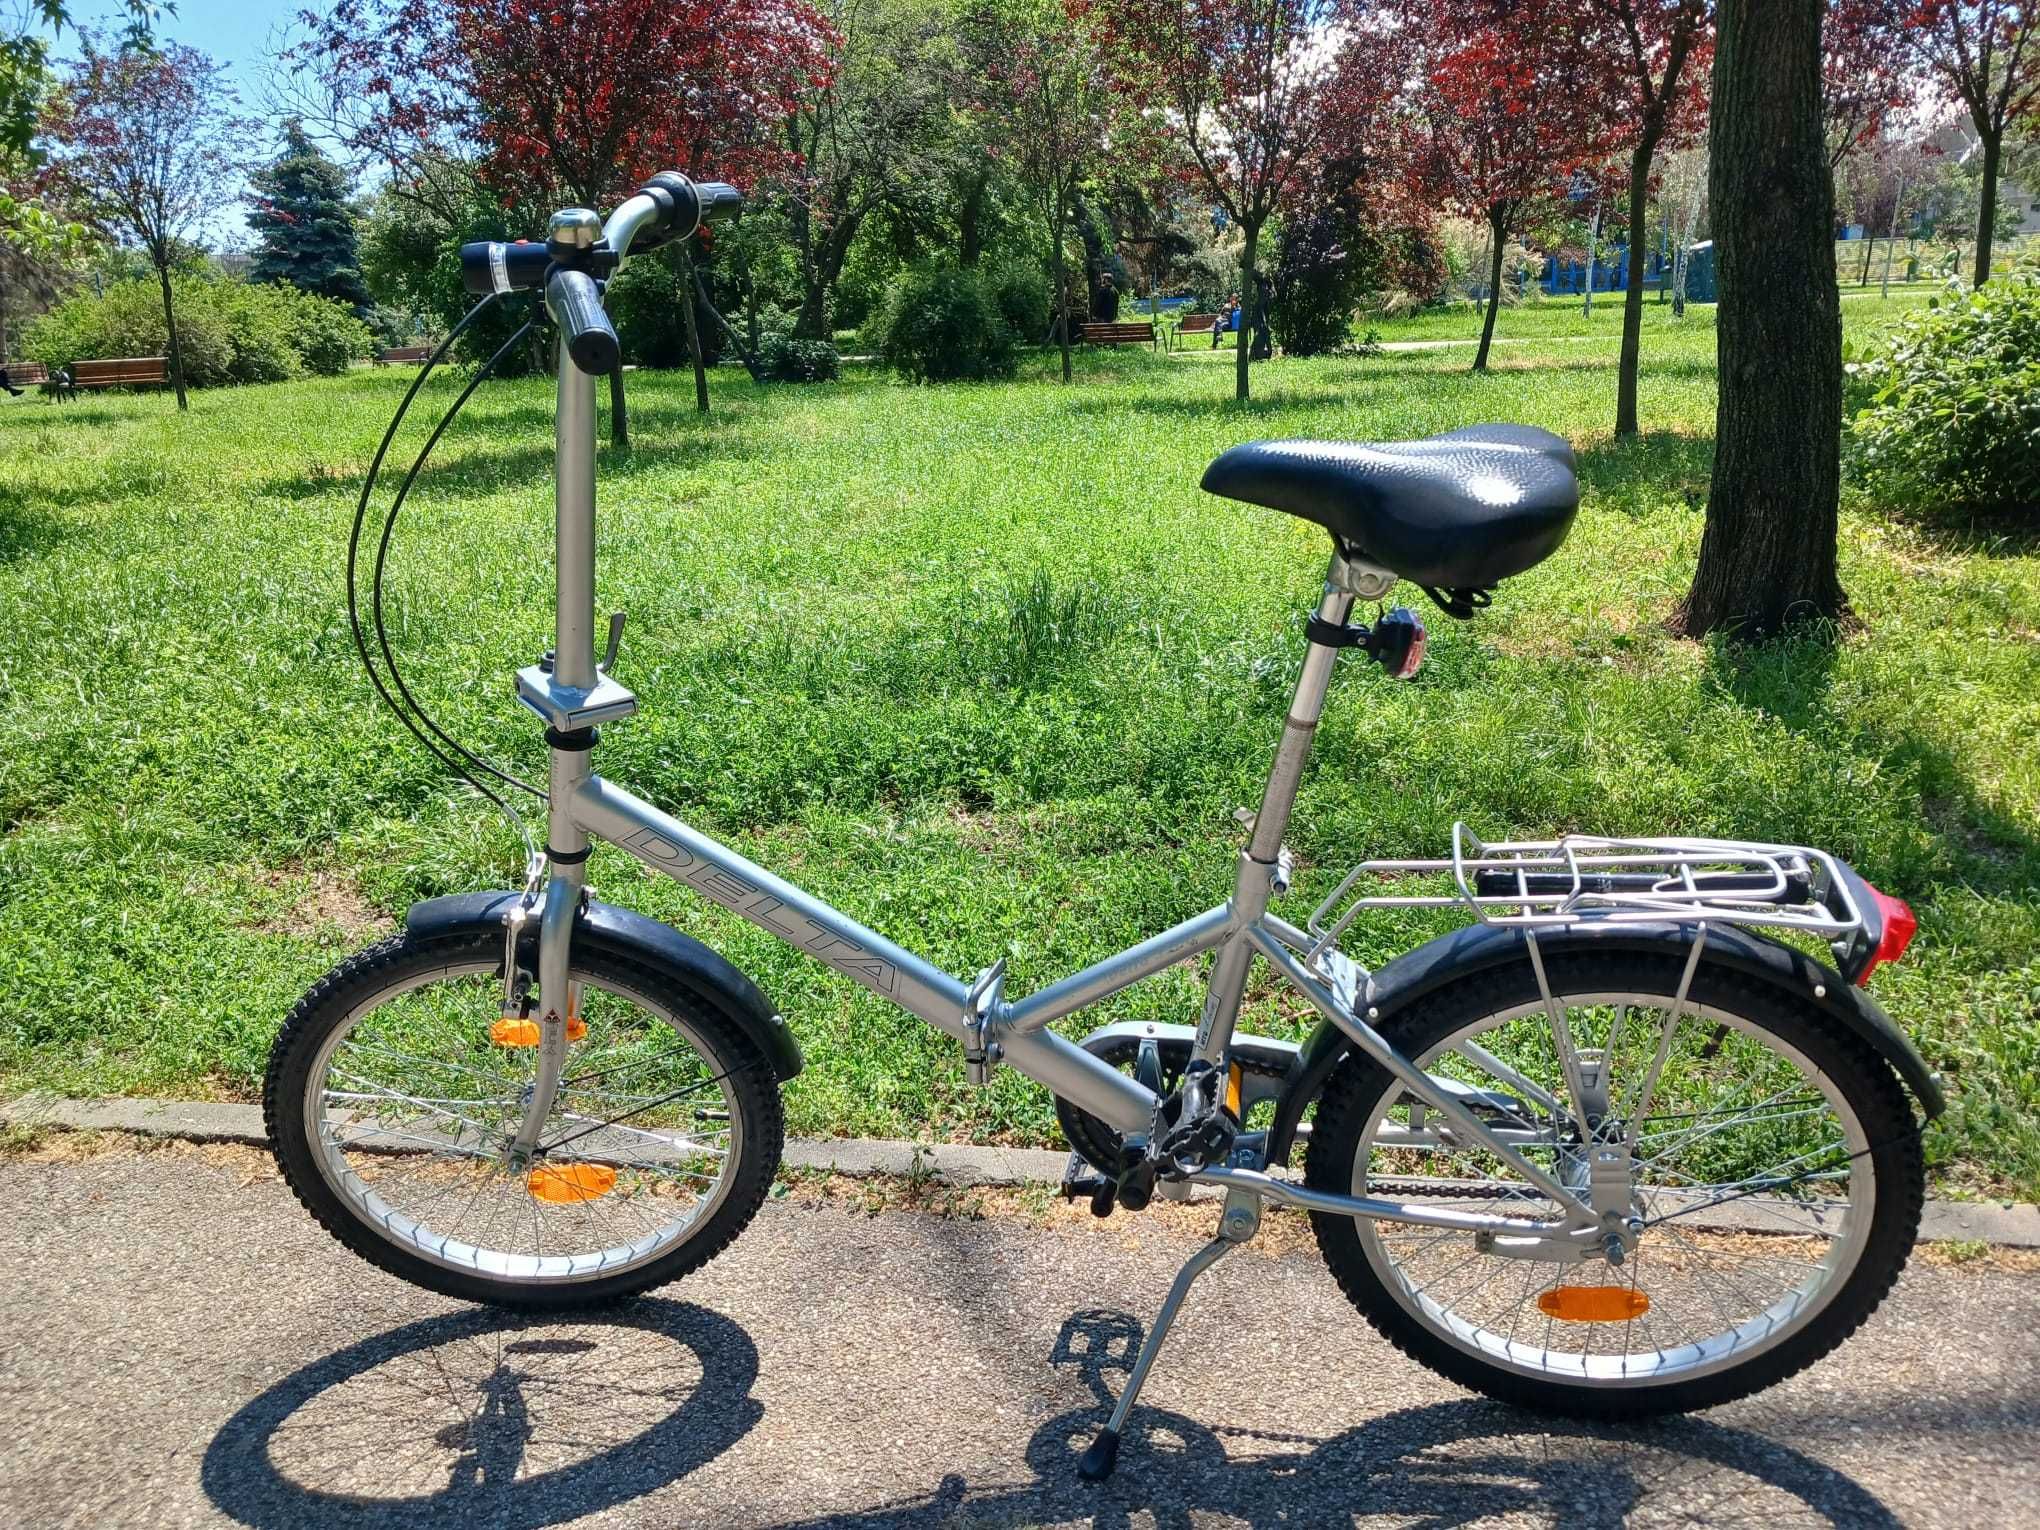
(1461, 511)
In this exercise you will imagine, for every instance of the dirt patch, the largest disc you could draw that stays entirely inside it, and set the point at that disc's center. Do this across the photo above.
(306, 903)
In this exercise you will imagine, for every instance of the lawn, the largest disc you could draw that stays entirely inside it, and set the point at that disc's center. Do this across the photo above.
(979, 664)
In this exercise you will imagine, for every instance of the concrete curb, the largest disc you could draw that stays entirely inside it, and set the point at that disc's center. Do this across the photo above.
(2007, 1225)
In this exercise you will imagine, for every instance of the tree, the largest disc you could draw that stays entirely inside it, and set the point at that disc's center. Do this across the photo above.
(1509, 116)
(149, 140)
(1986, 55)
(1767, 556)
(302, 216)
(1863, 79)
(25, 59)
(867, 132)
(1657, 53)
(1248, 88)
(1045, 99)
(581, 102)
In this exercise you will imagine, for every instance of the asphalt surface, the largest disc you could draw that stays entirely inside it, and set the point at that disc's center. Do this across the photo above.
(183, 1346)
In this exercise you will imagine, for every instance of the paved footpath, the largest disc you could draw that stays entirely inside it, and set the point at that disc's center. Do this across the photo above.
(183, 1346)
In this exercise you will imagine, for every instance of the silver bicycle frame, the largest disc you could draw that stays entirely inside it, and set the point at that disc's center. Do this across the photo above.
(576, 693)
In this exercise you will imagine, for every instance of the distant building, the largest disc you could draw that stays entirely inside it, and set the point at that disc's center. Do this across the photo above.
(1957, 139)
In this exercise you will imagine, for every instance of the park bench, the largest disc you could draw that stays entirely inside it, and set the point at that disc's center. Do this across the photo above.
(1119, 334)
(405, 353)
(120, 372)
(20, 376)
(1195, 324)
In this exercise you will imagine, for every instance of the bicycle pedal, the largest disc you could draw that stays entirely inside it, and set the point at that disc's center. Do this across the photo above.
(1079, 1178)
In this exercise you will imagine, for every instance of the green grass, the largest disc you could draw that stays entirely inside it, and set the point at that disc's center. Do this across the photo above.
(979, 664)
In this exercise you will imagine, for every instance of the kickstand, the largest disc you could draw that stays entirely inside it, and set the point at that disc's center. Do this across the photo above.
(1103, 1456)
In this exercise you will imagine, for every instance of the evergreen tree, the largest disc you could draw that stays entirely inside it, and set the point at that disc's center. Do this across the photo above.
(302, 216)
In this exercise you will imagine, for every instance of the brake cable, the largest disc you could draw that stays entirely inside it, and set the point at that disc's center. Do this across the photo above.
(441, 745)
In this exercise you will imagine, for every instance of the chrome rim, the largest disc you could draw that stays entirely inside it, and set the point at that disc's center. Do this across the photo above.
(1749, 1175)
(412, 1104)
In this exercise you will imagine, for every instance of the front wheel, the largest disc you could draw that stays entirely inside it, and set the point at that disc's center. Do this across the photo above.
(1773, 1184)
(397, 1087)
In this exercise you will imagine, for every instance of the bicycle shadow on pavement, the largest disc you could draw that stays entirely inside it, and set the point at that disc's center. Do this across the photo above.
(1440, 1465)
(490, 1418)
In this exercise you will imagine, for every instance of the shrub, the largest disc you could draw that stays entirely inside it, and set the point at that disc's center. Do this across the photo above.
(782, 358)
(1020, 291)
(227, 331)
(1950, 407)
(326, 335)
(940, 325)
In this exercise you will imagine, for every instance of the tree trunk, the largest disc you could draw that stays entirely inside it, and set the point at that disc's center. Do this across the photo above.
(970, 221)
(1060, 263)
(1869, 249)
(1767, 557)
(1632, 298)
(1986, 212)
(1250, 292)
(819, 269)
(170, 324)
(1498, 241)
(619, 411)
(693, 332)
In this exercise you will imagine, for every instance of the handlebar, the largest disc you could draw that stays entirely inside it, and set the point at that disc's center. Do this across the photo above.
(575, 303)
(669, 206)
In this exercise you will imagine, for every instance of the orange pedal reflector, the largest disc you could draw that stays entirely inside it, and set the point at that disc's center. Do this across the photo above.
(1593, 1304)
(564, 1184)
(511, 1031)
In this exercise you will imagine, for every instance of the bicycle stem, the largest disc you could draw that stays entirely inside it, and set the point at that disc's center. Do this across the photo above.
(573, 666)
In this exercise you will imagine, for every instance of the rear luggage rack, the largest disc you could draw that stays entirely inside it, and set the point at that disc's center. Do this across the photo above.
(1555, 883)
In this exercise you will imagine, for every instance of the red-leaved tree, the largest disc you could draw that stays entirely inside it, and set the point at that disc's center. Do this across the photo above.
(548, 103)
(582, 100)
(1986, 55)
(1863, 75)
(1247, 88)
(1510, 108)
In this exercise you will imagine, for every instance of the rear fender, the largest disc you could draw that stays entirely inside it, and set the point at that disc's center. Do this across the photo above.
(1482, 947)
(685, 962)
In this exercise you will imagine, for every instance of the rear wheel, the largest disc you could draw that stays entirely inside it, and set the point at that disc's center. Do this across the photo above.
(397, 1087)
(1774, 1182)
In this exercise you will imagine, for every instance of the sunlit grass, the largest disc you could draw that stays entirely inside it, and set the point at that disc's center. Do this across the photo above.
(979, 664)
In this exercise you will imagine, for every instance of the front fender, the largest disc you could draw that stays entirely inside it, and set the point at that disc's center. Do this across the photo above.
(688, 964)
(1481, 947)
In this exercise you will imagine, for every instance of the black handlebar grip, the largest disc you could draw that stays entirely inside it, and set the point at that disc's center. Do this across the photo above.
(689, 204)
(719, 200)
(576, 304)
(490, 266)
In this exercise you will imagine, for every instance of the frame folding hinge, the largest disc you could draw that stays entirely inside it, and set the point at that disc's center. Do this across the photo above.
(980, 1009)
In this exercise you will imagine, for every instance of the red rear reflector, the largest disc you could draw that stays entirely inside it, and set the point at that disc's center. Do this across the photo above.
(1415, 660)
(1896, 915)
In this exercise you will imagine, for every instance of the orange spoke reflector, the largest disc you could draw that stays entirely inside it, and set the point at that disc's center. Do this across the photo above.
(565, 1184)
(510, 1031)
(1593, 1304)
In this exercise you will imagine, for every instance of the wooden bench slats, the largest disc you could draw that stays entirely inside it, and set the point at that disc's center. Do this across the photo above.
(1197, 323)
(22, 374)
(1118, 334)
(402, 353)
(118, 372)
